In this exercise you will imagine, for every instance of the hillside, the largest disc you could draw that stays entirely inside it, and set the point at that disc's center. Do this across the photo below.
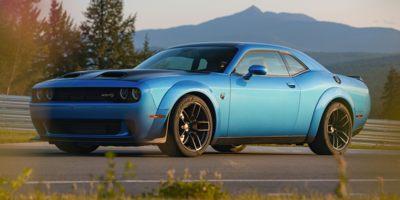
(294, 30)
(368, 52)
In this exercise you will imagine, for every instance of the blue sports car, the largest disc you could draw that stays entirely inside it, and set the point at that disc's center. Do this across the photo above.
(188, 97)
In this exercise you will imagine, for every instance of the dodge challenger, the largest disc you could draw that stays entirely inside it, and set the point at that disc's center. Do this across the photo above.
(189, 97)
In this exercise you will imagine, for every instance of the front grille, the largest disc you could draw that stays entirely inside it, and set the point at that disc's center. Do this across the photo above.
(94, 94)
(84, 127)
(86, 94)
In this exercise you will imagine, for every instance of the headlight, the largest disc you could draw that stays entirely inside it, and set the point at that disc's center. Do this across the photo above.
(49, 94)
(124, 93)
(129, 95)
(40, 96)
(135, 94)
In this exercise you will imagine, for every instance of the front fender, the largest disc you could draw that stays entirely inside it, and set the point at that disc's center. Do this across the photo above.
(326, 98)
(182, 88)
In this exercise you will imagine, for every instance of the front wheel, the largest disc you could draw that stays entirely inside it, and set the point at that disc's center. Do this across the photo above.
(335, 131)
(75, 148)
(190, 127)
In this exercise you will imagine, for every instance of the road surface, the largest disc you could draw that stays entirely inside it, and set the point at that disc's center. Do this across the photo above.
(265, 169)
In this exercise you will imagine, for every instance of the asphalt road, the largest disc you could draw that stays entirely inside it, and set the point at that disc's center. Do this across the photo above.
(265, 169)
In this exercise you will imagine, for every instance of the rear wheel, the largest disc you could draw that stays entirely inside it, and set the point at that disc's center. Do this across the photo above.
(229, 148)
(190, 128)
(75, 148)
(335, 131)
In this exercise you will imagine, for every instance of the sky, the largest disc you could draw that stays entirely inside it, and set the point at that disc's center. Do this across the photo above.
(154, 14)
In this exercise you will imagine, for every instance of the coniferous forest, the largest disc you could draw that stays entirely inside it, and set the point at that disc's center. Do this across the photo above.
(391, 96)
(34, 48)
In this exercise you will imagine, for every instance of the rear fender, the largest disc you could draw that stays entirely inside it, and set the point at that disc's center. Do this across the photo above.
(327, 97)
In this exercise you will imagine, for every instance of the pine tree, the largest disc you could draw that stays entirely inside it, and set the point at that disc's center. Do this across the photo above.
(107, 36)
(146, 44)
(391, 96)
(62, 41)
(145, 52)
(20, 29)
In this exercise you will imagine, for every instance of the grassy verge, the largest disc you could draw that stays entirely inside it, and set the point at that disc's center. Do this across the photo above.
(16, 136)
(108, 187)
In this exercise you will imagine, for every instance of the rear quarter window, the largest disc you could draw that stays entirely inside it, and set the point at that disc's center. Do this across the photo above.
(294, 66)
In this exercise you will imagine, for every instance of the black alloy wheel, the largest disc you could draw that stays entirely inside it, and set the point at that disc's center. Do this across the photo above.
(190, 128)
(335, 131)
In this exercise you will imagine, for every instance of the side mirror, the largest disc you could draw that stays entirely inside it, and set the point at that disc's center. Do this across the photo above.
(257, 70)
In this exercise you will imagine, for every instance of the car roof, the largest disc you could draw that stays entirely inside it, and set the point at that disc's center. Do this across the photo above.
(307, 60)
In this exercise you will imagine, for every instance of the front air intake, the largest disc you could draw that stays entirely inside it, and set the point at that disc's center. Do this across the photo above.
(83, 126)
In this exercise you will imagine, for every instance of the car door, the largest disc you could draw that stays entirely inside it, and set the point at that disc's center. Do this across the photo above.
(264, 105)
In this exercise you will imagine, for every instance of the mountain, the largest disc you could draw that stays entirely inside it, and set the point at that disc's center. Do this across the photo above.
(293, 30)
(332, 59)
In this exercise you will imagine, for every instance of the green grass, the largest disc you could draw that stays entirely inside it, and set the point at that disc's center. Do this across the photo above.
(178, 188)
(246, 196)
(16, 136)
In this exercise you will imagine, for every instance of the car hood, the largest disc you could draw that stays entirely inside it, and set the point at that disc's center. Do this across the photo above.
(129, 75)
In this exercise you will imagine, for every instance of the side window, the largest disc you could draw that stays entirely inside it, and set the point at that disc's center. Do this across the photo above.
(293, 65)
(254, 58)
(272, 61)
(202, 64)
(275, 65)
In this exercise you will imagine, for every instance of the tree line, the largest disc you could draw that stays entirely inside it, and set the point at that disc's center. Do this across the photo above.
(391, 96)
(34, 48)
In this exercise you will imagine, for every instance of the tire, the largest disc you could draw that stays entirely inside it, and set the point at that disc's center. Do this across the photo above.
(190, 128)
(75, 148)
(334, 132)
(229, 148)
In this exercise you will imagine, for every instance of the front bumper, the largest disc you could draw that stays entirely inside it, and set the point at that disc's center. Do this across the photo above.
(100, 123)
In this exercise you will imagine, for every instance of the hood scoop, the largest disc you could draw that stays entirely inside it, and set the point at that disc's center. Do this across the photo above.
(113, 74)
(72, 75)
(77, 74)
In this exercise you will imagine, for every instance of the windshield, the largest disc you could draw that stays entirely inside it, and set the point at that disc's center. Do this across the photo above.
(196, 59)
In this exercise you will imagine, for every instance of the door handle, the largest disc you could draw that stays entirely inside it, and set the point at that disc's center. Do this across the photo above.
(291, 85)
